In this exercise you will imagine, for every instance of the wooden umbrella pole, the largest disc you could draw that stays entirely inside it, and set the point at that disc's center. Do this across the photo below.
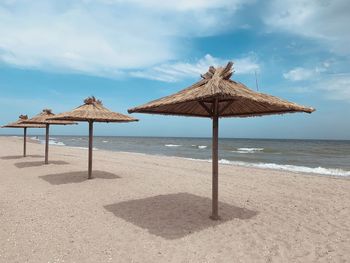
(215, 162)
(25, 142)
(90, 148)
(47, 144)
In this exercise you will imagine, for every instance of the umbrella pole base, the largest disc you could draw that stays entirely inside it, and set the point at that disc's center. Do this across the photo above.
(215, 218)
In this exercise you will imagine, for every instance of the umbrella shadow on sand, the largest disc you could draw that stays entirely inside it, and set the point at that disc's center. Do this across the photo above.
(38, 163)
(14, 157)
(175, 216)
(76, 177)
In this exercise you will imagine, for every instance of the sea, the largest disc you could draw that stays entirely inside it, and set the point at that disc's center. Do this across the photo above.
(322, 157)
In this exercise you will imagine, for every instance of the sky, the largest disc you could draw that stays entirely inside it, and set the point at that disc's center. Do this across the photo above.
(53, 54)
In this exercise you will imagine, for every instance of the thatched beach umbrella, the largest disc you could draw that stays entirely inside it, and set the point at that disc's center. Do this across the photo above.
(216, 96)
(42, 118)
(92, 111)
(20, 124)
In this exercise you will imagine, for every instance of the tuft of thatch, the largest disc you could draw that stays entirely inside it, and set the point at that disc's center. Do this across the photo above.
(47, 111)
(234, 99)
(23, 117)
(93, 110)
(19, 123)
(43, 118)
(92, 100)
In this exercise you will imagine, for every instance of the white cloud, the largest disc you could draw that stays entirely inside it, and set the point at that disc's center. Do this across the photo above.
(105, 37)
(325, 20)
(300, 73)
(182, 5)
(171, 72)
(336, 86)
(329, 86)
(246, 65)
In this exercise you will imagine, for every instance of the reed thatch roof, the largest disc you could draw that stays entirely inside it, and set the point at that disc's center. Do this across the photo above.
(43, 118)
(234, 98)
(20, 124)
(93, 110)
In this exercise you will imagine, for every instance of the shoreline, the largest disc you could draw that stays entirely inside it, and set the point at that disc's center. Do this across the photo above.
(176, 137)
(297, 169)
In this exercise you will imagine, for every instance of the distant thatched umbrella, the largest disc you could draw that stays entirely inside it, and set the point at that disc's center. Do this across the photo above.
(42, 118)
(20, 124)
(92, 111)
(215, 96)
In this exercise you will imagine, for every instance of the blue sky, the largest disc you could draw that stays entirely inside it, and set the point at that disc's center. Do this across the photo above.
(53, 54)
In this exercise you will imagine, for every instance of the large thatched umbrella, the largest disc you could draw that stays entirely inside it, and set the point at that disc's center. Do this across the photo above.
(20, 124)
(42, 118)
(215, 96)
(92, 111)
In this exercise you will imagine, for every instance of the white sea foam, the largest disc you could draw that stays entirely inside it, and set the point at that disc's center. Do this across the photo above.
(104, 141)
(284, 167)
(79, 147)
(172, 145)
(83, 148)
(53, 142)
(248, 150)
(291, 168)
(199, 146)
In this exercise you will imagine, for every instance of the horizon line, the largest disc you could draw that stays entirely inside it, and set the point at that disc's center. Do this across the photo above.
(180, 137)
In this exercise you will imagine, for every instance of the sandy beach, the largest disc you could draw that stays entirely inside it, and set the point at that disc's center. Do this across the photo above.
(143, 208)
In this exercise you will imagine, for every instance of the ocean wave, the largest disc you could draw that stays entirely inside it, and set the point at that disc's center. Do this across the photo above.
(172, 145)
(248, 150)
(284, 167)
(52, 142)
(104, 141)
(79, 147)
(83, 148)
(199, 146)
(291, 168)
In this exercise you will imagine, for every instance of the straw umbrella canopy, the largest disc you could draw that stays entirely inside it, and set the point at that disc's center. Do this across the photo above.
(42, 118)
(216, 96)
(19, 124)
(92, 111)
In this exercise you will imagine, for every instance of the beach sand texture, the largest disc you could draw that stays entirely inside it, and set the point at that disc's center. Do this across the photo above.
(142, 208)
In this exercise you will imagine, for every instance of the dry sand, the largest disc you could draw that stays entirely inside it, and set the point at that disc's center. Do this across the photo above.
(142, 208)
